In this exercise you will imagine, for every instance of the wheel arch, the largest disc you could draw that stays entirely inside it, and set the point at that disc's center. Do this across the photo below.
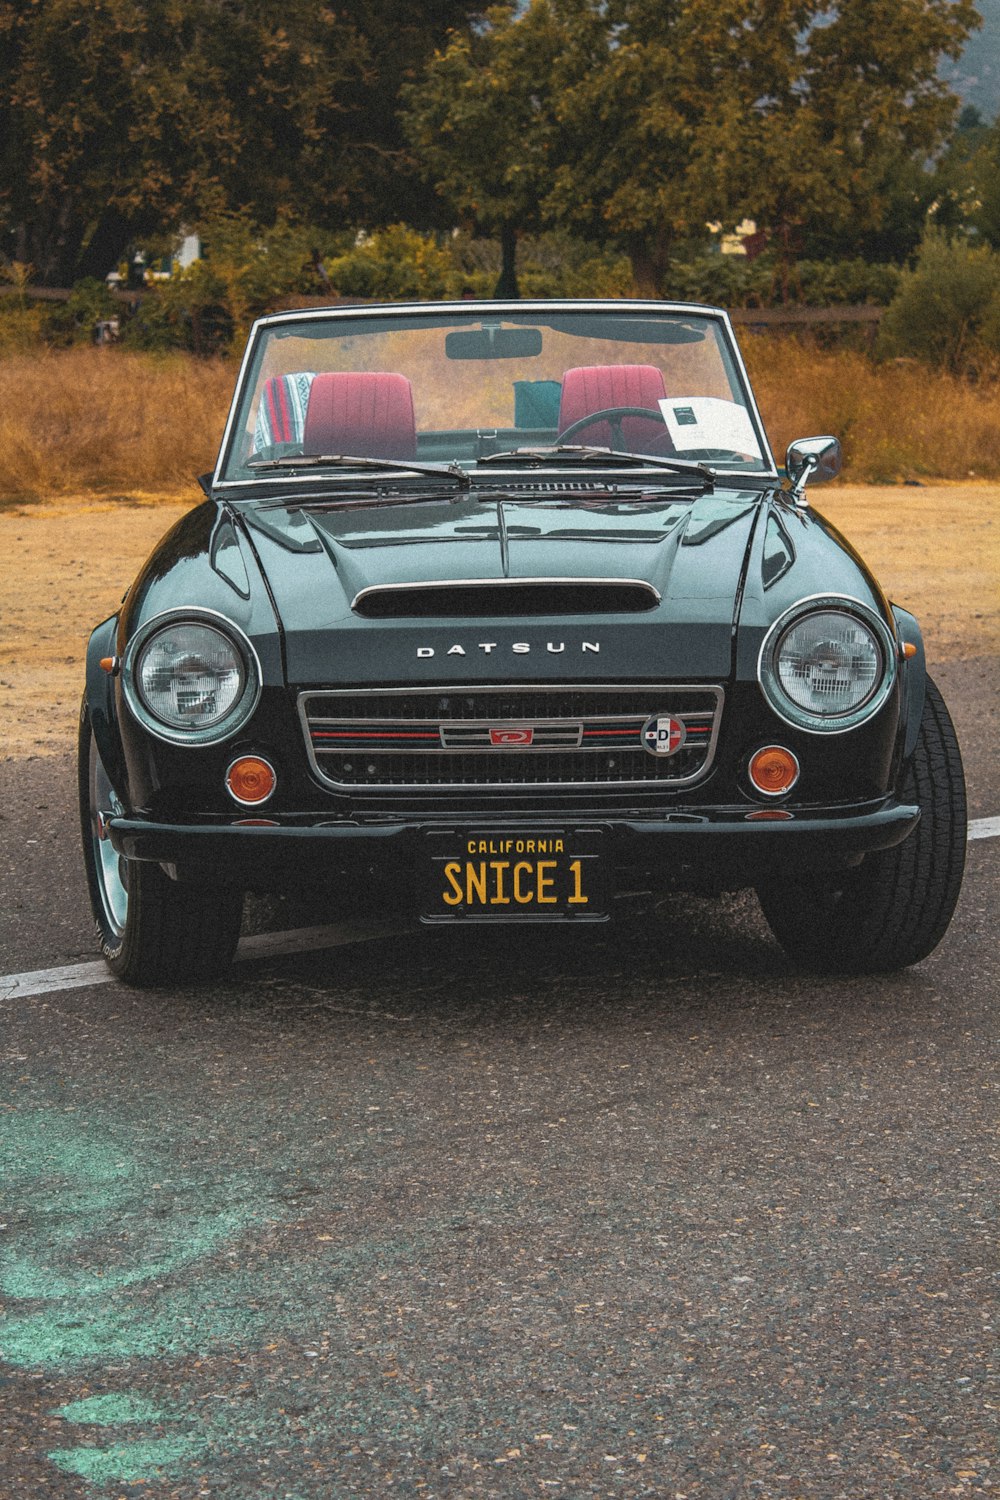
(913, 677)
(99, 702)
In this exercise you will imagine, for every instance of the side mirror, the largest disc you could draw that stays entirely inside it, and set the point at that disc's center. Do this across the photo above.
(817, 458)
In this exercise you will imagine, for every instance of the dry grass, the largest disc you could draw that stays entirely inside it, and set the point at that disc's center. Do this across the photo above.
(896, 421)
(106, 421)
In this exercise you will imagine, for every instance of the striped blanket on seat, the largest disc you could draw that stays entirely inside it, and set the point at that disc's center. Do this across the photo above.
(281, 416)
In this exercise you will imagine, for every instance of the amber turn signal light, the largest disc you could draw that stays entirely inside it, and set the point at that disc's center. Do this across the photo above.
(251, 780)
(773, 770)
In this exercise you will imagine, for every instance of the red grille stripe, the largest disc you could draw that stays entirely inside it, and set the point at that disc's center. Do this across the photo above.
(371, 734)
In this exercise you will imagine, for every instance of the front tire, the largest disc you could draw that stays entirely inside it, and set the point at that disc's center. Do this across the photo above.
(894, 908)
(152, 930)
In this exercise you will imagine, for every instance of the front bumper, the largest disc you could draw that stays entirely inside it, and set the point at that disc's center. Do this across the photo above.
(729, 847)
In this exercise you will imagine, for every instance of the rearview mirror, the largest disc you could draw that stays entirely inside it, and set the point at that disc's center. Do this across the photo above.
(493, 342)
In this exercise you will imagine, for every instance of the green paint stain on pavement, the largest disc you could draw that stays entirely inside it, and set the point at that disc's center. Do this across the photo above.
(25, 1279)
(122, 1253)
(142, 1459)
(110, 1411)
(151, 1323)
(127, 1462)
(106, 1240)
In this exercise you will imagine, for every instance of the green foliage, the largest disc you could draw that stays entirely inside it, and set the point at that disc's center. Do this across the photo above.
(208, 307)
(966, 184)
(129, 117)
(19, 277)
(550, 265)
(639, 119)
(20, 320)
(947, 309)
(247, 271)
(74, 321)
(187, 312)
(394, 263)
(734, 281)
(479, 119)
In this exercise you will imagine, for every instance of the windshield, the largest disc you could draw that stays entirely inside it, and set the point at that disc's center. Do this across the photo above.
(465, 386)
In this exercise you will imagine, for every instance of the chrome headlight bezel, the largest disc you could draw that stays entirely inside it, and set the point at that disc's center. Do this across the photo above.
(794, 713)
(234, 718)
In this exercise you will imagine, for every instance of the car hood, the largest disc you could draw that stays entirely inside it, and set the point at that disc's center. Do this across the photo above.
(325, 565)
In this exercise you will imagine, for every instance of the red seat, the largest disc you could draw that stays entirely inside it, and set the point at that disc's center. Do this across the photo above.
(368, 415)
(593, 388)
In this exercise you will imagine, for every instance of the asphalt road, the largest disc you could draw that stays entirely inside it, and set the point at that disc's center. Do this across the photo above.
(619, 1212)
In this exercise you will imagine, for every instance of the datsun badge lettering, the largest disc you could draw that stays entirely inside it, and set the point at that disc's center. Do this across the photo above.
(518, 648)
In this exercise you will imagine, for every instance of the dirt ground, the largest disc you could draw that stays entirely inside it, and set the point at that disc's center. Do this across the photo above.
(64, 568)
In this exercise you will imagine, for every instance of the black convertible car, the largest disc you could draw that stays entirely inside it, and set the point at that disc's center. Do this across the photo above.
(505, 608)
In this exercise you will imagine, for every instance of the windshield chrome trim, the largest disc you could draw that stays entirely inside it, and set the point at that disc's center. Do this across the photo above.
(520, 309)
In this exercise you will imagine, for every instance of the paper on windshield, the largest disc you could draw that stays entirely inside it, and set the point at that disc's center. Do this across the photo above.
(708, 422)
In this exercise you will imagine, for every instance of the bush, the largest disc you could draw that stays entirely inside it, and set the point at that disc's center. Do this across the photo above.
(947, 309)
(189, 312)
(73, 322)
(392, 264)
(207, 308)
(20, 327)
(548, 265)
(734, 281)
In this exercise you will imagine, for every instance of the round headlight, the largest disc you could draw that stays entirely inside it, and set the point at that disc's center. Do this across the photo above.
(190, 682)
(827, 668)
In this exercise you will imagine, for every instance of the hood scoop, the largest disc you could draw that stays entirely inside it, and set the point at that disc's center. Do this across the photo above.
(499, 598)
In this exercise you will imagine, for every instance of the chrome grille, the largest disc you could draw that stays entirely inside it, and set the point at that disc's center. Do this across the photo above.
(516, 736)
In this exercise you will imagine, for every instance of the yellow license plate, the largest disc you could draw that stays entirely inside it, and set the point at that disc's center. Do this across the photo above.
(510, 877)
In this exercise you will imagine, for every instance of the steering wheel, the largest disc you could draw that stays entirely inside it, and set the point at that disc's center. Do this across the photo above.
(613, 415)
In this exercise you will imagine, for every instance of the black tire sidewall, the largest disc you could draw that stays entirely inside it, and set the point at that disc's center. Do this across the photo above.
(112, 944)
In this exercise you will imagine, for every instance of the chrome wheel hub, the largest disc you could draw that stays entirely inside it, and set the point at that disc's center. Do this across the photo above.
(112, 869)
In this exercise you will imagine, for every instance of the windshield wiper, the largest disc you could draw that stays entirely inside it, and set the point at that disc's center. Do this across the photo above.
(460, 479)
(563, 453)
(360, 500)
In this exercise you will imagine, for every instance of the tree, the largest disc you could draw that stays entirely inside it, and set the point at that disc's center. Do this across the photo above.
(857, 110)
(480, 118)
(132, 116)
(965, 188)
(651, 116)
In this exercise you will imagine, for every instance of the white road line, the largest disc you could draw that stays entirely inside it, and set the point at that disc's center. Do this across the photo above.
(261, 945)
(42, 981)
(273, 944)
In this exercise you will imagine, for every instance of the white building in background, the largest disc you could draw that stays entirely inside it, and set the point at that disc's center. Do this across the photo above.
(188, 252)
(734, 243)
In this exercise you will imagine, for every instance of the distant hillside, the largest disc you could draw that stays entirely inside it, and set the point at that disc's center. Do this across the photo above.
(976, 75)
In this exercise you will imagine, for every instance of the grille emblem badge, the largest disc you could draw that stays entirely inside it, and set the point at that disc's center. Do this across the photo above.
(511, 736)
(663, 734)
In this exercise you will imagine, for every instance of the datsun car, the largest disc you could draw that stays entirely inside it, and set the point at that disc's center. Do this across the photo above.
(508, 606)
